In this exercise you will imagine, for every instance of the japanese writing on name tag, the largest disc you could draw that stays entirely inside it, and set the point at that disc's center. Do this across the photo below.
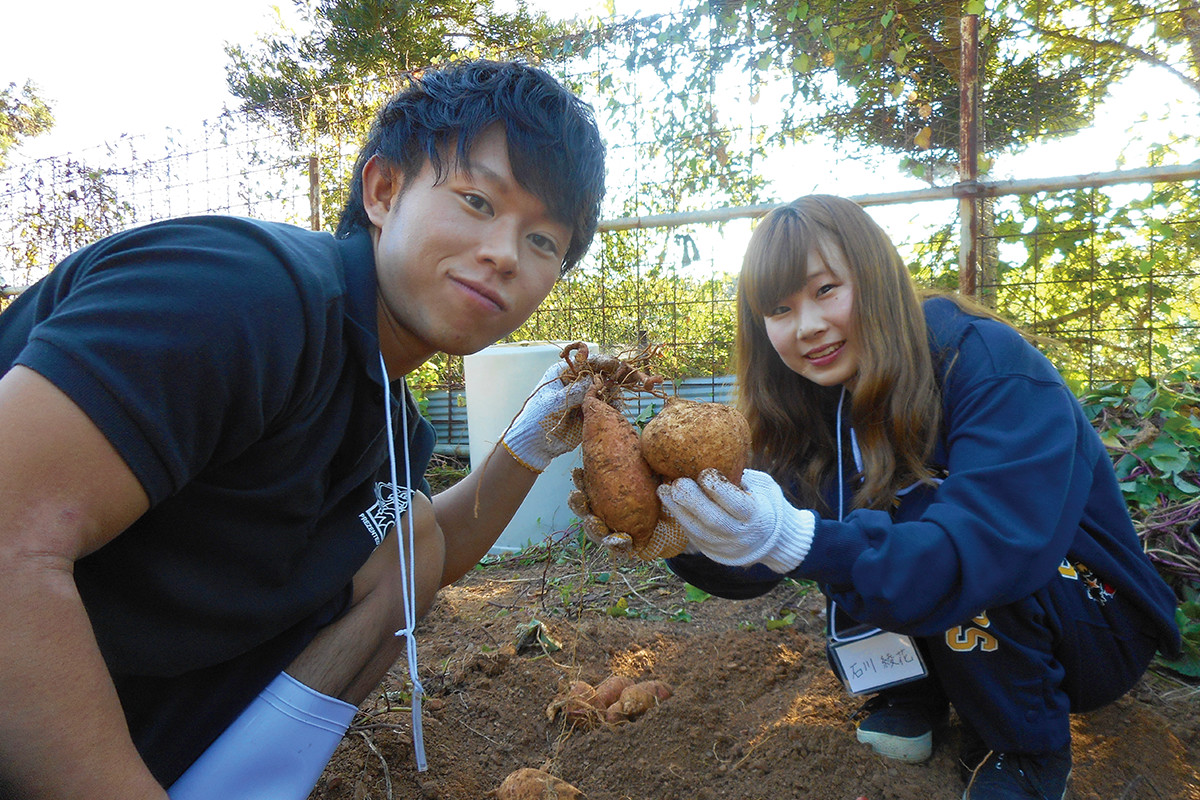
(877, 662)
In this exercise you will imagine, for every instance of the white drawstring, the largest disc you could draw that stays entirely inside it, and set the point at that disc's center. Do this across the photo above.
(853, 445)
(408, 576)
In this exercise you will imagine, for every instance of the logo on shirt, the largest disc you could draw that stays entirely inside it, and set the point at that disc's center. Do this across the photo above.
(1097, 590)
(382, 515)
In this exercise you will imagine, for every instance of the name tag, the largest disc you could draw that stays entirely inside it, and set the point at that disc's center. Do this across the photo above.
(869, 663)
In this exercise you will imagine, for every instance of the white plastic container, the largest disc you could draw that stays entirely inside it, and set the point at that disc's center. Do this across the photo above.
(498, 380)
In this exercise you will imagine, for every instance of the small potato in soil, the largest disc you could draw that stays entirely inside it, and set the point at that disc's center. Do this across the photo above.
(533, 784)
(687, 437)
(637, 699)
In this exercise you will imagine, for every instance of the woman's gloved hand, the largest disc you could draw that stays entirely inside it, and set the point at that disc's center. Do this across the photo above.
(739, 526)
(551, 421)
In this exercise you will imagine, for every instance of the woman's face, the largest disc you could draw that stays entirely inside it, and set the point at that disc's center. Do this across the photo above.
(810, 329)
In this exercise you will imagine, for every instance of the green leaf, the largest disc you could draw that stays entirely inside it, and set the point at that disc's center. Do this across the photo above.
(619, 609)
(695, 595)
(534, 635)
(975, 7)
(1188, 664)
(1171, 462)
(887, 18)
(1140, 389)
(1184, 485)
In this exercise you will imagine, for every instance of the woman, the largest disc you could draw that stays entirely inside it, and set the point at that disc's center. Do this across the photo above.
(929, 468)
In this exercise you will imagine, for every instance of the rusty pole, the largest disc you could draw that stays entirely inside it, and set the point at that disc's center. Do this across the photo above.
(968, 158)
(314, 192)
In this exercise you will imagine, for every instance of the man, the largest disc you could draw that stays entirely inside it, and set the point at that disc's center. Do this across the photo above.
(199, 560)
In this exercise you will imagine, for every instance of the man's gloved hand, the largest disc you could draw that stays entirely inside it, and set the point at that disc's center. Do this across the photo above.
(551, 421)
(739, 526)
(667, 539)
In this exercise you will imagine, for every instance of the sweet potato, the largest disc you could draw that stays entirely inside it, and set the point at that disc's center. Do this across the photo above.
(578, 703)
(619, 484)
(583, 704)
(687, 437)
(609, 690)
(637, 699)
(533, 784)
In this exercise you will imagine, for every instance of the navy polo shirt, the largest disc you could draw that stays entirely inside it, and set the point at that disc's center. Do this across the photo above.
(234, 366)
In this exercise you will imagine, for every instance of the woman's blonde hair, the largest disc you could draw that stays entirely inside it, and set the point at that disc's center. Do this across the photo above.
(896, 402)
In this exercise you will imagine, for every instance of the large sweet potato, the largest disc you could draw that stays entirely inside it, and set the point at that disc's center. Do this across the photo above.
(619, 484)
(687, 437)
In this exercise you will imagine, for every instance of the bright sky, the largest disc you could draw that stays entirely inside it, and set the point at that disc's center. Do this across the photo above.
(113, 67)
(123, 66)
(140, 66)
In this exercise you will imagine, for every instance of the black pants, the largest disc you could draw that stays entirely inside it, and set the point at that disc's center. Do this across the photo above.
(173, 719)
(1015, 673)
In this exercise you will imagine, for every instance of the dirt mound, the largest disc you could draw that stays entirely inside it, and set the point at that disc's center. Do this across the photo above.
(755, 713)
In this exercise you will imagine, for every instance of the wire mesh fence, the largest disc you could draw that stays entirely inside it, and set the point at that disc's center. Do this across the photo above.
(1085, 216)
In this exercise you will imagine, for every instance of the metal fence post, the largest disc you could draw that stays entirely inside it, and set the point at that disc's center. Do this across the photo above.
(968, 157)
(314, 192)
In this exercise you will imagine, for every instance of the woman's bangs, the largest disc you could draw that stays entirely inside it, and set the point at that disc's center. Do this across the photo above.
(776, 263)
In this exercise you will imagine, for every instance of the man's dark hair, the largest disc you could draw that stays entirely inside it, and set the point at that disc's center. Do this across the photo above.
(554, 146)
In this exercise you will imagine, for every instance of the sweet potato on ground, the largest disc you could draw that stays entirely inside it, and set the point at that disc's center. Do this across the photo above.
(577, 703)
(533, 784)
(637, 699)
(687, 437)
(609, 690)
(584, 704)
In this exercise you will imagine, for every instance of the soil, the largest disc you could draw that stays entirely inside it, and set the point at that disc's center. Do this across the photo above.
(756, 712)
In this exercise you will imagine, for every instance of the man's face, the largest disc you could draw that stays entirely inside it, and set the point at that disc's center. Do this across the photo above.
(463, 263)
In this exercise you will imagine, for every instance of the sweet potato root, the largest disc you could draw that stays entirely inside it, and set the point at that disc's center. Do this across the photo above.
(687, 437)
(620, 486)
(577, 704)
(616, 699)
(533, 784)
(615, 374)
(583, 704)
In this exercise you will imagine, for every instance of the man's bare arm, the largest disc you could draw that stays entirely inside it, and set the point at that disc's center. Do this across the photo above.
(474, 511)
(64, 492)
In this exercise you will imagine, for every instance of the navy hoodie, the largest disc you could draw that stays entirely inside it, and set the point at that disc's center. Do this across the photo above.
(1028, 483)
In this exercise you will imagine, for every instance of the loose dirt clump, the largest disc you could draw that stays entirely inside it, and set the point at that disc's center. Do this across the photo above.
(755, 712)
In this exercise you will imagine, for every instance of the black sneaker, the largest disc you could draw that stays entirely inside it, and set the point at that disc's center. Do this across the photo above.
(900, 727)
(971, 751)
(1021, 776)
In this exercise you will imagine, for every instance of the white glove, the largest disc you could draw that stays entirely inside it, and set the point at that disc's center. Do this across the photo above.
(551, 421)
(740, 526)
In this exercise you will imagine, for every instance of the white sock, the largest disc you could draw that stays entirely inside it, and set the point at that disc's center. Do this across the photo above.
(275, 750)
